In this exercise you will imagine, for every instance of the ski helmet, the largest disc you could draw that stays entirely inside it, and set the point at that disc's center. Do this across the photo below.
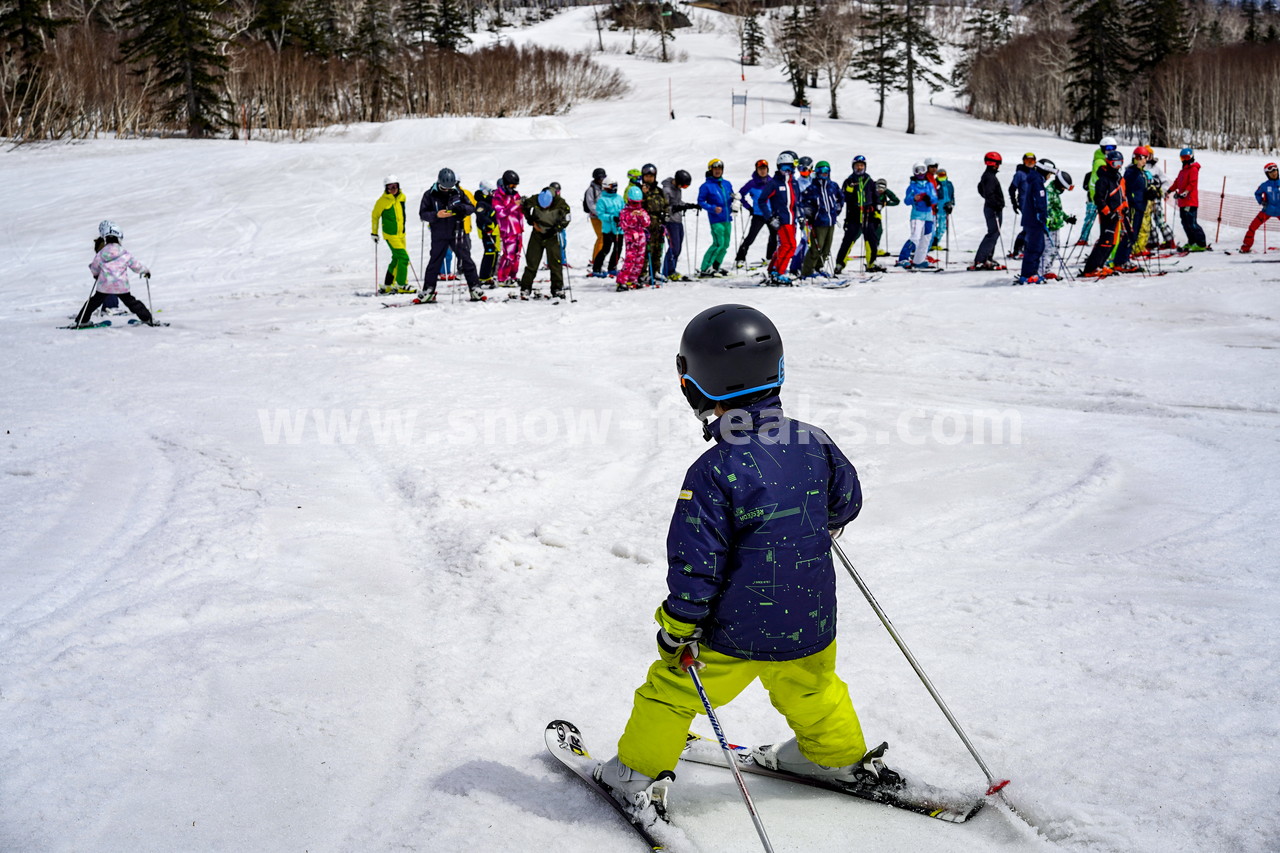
(1187, 154)
(485, 188)
(609, 183)
(107, 228)
(762, 164)
(881, 185)
(728, 352)
(633, 176)
(510, 180)
(648, 169)
(545, 198)
(1270, 167)
(805, 165)
(1107, 142)
(822, 167)
(1047, 166)
(788, 158)
(1064, 180)
(1028, 156)
(634, 193)
(859, 160)
(555, 187)
(446, 180)
(597, 174)
(931, 161)
(683, 178)
(918, 168)
(1114, 157)
(992, 158)
(389, 180)
(715, 164)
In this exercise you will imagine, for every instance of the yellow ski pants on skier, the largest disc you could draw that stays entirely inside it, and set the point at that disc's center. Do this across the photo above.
(807, 692)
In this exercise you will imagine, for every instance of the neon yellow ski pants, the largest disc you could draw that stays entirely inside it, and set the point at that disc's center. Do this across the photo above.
(807, 692)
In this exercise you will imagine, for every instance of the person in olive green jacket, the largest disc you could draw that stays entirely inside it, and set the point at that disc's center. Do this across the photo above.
(388, 217)
(548, 214)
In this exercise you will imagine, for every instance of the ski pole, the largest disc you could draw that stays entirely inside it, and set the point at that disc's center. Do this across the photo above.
(375, 266)
(996, 786)
(947, 249)
(690, 665)
(150, 310)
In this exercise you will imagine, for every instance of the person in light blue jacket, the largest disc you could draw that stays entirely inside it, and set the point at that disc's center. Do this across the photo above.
(608, 207)
(923, 198)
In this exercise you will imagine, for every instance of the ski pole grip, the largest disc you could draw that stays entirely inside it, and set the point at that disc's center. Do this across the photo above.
(687, 660)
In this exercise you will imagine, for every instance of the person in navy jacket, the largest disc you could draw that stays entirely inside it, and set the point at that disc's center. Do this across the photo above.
(782, 199)
(1268, 195)
(750, 579)
(822, 203)
(1035, 217)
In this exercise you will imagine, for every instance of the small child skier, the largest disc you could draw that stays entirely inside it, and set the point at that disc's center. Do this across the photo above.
(110, 267)
(751, 580)
(1268, 195)
(634, 222)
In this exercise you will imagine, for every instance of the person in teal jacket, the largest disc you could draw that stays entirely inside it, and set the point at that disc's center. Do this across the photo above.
(946, 203)
(608, 207)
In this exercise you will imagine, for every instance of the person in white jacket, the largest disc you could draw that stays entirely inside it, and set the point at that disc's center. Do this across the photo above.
(110, 267)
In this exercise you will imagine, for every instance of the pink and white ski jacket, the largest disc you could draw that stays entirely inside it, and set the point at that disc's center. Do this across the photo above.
(111, 268)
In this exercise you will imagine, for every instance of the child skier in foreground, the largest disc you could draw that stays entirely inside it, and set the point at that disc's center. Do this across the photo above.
(110, 267)
(752, 584)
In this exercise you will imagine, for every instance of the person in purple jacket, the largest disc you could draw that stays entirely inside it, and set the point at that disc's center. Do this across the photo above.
(752, 587)
(749, 192)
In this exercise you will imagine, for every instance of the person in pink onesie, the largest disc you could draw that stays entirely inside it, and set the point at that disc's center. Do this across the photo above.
(506, 210)
(634, 222)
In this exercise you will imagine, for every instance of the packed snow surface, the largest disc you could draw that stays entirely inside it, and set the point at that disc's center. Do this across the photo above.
(301, 573)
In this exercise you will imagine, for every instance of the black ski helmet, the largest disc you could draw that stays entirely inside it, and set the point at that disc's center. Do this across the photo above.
(446, 180)
(683, 178)
(598, 174)
(648, 169)
(729, 352)
(509, 179)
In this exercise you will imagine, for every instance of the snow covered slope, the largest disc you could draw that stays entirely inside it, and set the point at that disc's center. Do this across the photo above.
(299, 573)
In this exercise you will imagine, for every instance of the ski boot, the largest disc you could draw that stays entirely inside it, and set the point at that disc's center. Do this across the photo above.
(426, 297)
(476, 295)
(642, 797)
(868, 771)
(720, 271)
(875, 268)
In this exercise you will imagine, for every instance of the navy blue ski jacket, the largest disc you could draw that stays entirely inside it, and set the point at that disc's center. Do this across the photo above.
(781, 198)
(749, 548)
(822, 202)
(1035, 202)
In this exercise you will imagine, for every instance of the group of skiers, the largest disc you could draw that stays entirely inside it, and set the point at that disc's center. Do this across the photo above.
(640, 226)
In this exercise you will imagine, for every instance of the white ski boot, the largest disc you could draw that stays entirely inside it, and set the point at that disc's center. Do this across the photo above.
(869, 770)
(643, 797)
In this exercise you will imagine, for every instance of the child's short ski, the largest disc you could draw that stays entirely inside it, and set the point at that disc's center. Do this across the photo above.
(915, 796)
(99, 325)
(564, 741)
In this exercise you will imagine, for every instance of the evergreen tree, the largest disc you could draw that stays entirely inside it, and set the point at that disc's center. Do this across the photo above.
(449, 28)
(274, 22)
(789, 43)
(752, 40)
(23, 31)
(320, 29)
(1099, 66)
(1249, 9)
(879, 63)
(376, 51)
(1158, 32)
(417, 21)
(181, 40)
(920, 51)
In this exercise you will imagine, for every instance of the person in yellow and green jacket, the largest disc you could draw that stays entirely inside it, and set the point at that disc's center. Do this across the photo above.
(388, 217)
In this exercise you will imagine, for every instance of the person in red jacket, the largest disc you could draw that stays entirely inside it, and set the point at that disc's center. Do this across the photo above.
(1186, 189)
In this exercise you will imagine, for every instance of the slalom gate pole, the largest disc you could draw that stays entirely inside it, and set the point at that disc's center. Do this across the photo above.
(996, 786)
(150, 310)
(690, 665)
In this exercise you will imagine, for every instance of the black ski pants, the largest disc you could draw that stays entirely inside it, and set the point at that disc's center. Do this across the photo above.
(771, 247)
(864, 227)
(444, 238)
(1109, 224)
(987, 248)
(97, 300)
(611, 248)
